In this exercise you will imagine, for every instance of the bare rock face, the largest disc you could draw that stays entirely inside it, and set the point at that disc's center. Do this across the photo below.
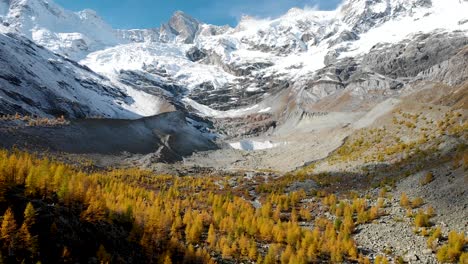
(344, 36)
(180, 27)
(411, 57)
(237, 95)
(451, 72)
(251, 125)
(195, 54)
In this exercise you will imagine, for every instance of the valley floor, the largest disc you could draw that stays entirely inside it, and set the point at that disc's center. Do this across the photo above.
(390, 187)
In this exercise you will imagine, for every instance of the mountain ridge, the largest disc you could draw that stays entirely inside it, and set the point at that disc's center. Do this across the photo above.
(238, 69)
(280, 68)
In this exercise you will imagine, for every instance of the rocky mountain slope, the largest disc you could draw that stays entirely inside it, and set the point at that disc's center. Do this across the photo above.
(167, 137)
(35, 81)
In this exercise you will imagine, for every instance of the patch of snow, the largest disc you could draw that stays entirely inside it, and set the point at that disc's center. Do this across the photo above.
(265, 110)
(251, 145)
(379, 7)
(252, 88)
(204, 110)
(326, 78)
(143, 104)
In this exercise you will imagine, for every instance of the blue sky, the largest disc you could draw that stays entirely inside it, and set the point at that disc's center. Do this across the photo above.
(151, 13)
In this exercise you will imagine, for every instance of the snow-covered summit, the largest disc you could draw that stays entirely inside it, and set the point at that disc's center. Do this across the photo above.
(362, 15)
(48, 24)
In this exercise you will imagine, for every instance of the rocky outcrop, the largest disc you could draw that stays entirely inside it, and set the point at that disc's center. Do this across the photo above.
(195, 54)
(180, 27)
(250, 125)
(451, 72)
(389, 67)
(150, 84)
(415, 55)
(343, 37)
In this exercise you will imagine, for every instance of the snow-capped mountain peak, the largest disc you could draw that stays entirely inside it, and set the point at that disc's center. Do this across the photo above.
(71, 34)
(362, 15)
(282, 51)
(227, 68)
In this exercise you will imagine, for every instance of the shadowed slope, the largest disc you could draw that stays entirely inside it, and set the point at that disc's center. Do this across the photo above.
(169, 135)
